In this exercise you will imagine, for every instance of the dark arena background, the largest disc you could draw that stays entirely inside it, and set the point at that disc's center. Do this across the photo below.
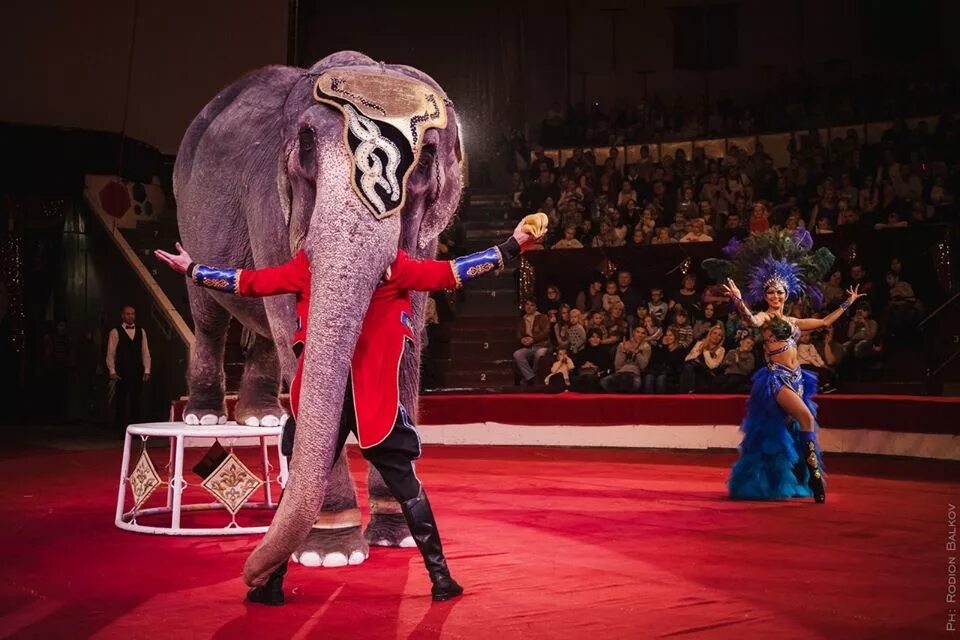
(580, 498)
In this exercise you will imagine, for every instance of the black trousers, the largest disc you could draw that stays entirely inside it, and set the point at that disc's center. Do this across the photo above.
(393, 457)
(127, 398)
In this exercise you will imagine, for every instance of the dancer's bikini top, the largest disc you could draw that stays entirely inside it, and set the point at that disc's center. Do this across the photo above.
(789, 343)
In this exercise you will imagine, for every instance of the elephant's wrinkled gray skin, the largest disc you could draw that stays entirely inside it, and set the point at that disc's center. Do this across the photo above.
(262, 170)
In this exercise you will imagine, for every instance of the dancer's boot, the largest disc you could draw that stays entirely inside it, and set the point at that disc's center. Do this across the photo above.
(423, 528)
(270, 593)
(810, 453)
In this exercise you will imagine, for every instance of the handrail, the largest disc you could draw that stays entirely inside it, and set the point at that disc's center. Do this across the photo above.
(160, 298)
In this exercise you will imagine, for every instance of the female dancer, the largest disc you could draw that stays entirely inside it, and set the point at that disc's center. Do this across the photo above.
(779, 454)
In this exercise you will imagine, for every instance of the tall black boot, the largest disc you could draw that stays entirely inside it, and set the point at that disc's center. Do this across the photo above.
(270, 593)
(423, 528)
(809, 452)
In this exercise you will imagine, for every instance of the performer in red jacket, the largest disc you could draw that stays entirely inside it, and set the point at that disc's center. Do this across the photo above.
(372, 408)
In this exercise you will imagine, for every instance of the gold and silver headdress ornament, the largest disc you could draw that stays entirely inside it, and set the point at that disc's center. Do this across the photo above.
(386, 117)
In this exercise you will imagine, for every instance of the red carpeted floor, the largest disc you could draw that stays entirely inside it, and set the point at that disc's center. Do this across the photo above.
(550, 543)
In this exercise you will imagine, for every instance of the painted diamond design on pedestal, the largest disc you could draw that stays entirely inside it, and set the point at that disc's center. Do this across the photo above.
(232, 483)
(143, 480)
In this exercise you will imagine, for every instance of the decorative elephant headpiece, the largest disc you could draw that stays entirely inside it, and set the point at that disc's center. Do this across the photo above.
(400, 133)
(385, 118)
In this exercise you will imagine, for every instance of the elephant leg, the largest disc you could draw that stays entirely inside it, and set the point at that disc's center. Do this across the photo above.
(336, 538)
(205, 380)
(258, 403)
(387, 526)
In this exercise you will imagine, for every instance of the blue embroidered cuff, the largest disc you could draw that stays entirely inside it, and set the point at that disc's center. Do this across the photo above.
(477, 264)
(213, 278)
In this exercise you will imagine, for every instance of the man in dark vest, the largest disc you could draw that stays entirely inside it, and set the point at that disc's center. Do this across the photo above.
(128, 362)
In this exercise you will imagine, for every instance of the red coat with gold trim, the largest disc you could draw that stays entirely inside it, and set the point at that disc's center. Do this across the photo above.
(386, 330)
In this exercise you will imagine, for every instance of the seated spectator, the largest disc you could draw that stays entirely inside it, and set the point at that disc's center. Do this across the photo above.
(868, 199)
(849, 219)
(737, 368)
(759, 218)
(636, 239)
(592, 364)
(533, 332)
(688, 297)
(627, 193)
(833, 293)
(628, 294)
(823, 227)
(576, 334)
(598, 322)
(608, 236)
(592, 299)
(701, 364)
(809, 358)
(560, 371)
(666, 361)
(861, 333)
(657, 306)
(681, 326)
(731, 229)
(586, 233)
(702, 325)
(616, 325)
(631, 359)
(687, 204)
(679, 227)
(894, 221)
(619, 226)
(648, 220)
(552, 301)
(902, 313)
(663, 236)
(611, 295)
(560, 326)
(698, 232)
(858, 278)
(569, 240)
(654, 332)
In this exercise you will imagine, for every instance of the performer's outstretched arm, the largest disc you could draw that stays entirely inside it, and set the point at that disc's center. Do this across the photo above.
(290, 277)
(435, 275)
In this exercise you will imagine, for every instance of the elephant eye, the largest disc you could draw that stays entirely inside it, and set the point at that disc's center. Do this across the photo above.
(307, 145)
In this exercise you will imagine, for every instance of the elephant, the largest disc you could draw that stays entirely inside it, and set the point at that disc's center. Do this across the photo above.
(267, 169)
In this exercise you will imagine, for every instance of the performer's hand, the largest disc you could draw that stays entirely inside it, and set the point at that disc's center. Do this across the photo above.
(178, 262)
(146, 377)
(731, 289)
(114, 377)
(854, 293)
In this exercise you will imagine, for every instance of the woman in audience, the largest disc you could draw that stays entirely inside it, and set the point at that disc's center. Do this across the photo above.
(592, 299)
(707, 320)
(688, 297)
(701, 364)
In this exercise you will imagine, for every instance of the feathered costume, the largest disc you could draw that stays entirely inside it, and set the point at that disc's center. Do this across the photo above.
(774, 454)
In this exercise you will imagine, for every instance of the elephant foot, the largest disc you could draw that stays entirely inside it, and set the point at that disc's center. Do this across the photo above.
(333, 548)
(389, 530)
(195, 414)
(268, 416)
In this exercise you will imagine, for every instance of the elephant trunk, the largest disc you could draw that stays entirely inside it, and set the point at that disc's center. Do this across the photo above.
(344, 277)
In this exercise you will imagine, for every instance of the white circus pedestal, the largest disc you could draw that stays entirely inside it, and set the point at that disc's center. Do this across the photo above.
(232, 484)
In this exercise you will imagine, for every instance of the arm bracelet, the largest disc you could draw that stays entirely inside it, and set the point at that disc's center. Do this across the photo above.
(845, 305)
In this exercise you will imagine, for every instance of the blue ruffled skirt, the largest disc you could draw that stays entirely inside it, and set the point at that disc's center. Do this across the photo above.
(770, 465)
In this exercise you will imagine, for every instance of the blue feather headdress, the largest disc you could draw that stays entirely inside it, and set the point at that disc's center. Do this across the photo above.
(774, 258)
